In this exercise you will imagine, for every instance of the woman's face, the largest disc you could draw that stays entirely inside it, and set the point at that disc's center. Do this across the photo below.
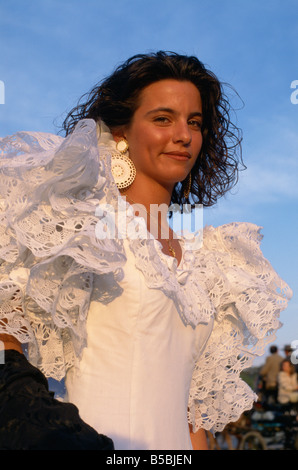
(286, 367)
(164, 135)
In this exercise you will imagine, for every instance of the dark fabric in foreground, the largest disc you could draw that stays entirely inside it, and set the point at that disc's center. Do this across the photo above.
(32, 419)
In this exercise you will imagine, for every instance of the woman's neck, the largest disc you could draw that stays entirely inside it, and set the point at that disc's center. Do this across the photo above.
(148, 193)
(151, 201)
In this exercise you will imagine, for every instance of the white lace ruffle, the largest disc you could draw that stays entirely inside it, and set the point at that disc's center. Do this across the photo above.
(49, 250)
(51, 188)
(247, 296)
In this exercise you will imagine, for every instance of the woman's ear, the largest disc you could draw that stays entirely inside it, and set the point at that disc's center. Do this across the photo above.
(118, 134)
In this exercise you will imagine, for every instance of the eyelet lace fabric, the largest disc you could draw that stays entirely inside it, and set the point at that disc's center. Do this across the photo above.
(247, 297)
(49, 251)
(50, 187)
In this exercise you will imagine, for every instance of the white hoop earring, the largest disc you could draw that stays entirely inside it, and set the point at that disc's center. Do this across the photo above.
(123, 169)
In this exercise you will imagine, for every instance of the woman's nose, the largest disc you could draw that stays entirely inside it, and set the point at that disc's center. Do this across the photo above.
(182, 133)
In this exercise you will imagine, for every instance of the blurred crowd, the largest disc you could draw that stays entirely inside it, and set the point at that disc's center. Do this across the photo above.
(278, 382)
(277, 389)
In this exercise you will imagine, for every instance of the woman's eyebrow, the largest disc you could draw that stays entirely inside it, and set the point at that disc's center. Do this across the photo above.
(163, 109)
(196, 113)
(172, 111)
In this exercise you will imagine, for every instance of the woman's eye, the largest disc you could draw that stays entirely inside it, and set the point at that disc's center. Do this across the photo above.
(194, 123)
(161, 119)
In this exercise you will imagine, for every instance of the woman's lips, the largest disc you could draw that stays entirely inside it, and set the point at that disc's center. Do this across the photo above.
(178, 155)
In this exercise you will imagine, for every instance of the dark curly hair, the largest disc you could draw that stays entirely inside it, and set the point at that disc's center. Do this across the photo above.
(116, 98)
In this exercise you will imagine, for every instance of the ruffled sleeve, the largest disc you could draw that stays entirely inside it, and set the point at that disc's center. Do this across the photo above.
(247, 297)
(49, 251)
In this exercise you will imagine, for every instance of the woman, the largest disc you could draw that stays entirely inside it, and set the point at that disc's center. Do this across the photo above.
(150, 330)
(287, 383)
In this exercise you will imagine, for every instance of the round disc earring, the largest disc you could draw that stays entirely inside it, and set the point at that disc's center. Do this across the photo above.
(123, 169)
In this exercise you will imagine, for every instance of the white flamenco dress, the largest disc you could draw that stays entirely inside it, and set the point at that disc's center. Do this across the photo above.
(145, 346)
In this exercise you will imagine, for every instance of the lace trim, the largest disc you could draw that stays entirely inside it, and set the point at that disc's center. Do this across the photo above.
(50, 191)
(50, 253)
(248, 297)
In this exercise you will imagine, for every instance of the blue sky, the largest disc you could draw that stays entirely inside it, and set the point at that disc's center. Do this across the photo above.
(53, 51)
